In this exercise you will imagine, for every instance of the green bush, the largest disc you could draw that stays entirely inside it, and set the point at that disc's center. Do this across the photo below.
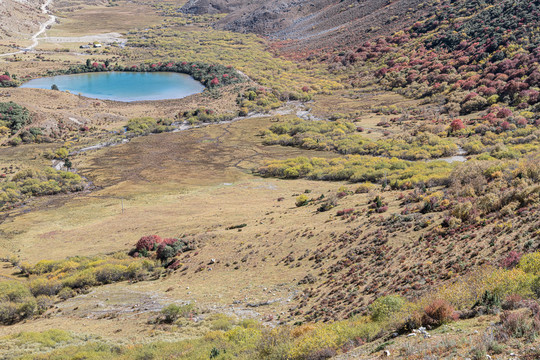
(13, 116)
(43, 286)
(110, 273)
(382, 308)
(16, 302)
(173, 312)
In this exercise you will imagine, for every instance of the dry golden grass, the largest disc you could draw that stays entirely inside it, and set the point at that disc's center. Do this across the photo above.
(104, 19)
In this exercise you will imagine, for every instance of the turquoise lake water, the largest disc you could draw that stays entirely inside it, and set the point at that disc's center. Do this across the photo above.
(123, 86)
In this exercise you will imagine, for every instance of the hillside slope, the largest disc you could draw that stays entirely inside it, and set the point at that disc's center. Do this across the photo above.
(312, 24)
(19, 18)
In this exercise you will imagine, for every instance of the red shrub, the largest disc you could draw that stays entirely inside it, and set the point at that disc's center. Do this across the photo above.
(504, 113)
(470, 96)
(457, 125)
(505, 125)
(168, 241)
(522, 122)
(438, 313)
(511, 260)
(147, 242)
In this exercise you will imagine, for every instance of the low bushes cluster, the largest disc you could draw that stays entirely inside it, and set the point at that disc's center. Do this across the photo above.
(490, 57)
(13, 117)
(261, 100)
(343, 137)
(245, 52)
(50, 281)
(246, 339)
(31, 182)
(7, 81)
(16, 302)
(399, 174)
(206, 116)
(163, 249)
(170, 313)
(147, 125)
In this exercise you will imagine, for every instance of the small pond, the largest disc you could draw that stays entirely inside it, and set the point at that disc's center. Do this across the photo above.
(123, 86)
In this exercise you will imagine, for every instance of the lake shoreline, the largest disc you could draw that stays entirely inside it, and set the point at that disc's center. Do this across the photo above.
(123, 86)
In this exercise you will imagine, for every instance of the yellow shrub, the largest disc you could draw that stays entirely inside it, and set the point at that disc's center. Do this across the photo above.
(530, 263)
(320, 338)
(302, 330)
(467, 290)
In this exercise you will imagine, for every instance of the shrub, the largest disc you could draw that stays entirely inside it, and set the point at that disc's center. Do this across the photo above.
(165, 252)
(16, 302)
(530, 263)
(80, 279)
(518, 324)
(322, 354)
(345, 212)
(457, 125)
(364, 188)
(511, 260)
(13, 116)
(42, 286)
(385, 306)
(222, 322)
(274, 343)
(148, 243)
(110, 273)
(43, 303)
(173, 312)
(302, 200)
(535, 286)
(437, 313)
(66, 293)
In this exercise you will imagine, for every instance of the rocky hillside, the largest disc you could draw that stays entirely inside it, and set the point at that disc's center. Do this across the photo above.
(313, 24)
(19, 18)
